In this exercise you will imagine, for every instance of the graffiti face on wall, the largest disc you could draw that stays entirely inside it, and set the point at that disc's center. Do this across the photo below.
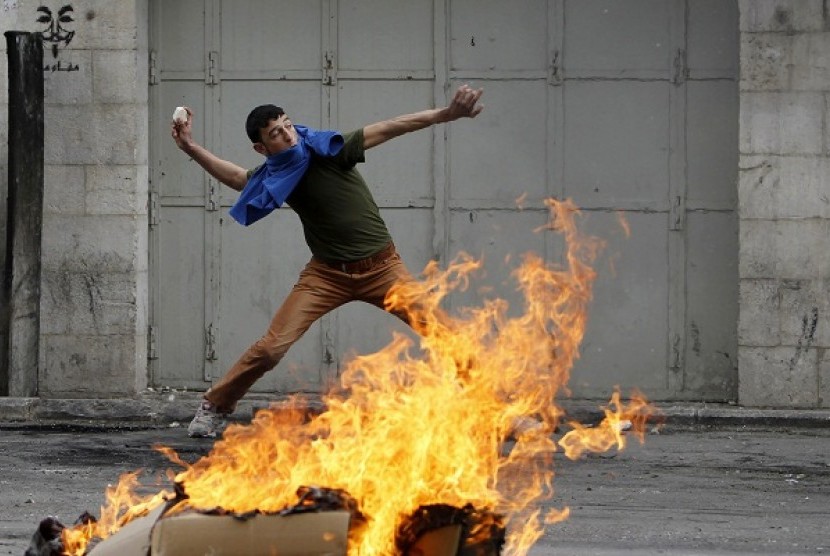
(57, 33)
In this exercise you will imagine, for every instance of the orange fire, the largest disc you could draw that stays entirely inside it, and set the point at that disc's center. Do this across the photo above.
(417, 425)
(122, 506)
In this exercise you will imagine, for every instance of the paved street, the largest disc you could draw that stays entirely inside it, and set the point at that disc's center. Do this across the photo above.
(686, 491)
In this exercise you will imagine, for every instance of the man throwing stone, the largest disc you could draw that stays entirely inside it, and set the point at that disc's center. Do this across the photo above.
(353, 256)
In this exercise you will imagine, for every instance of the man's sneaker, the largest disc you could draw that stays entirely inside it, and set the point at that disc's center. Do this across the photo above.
(207, 422)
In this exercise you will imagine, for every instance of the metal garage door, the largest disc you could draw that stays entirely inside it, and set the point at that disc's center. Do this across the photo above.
(623, 105)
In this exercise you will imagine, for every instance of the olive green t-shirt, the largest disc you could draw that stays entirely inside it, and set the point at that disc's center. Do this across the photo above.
(340, 218)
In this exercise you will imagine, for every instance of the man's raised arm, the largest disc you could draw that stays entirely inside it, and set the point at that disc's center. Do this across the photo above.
(463, 105)
(226, 172)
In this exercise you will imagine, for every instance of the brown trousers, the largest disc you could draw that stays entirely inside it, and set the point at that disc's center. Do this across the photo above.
(321, 288)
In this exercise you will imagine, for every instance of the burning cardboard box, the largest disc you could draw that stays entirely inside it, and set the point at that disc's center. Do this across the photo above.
(318, 524)
(321, 523)
(193, 533)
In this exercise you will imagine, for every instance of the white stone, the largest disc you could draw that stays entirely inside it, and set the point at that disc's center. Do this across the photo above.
(180, 115)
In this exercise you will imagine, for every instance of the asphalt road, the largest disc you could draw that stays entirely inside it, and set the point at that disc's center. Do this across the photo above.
(735, 490)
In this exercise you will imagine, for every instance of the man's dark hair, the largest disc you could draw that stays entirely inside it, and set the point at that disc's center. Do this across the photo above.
(259, 118)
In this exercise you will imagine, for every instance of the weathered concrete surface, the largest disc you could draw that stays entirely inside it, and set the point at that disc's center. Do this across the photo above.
(94, 290)
(783, 142)
(686, 491)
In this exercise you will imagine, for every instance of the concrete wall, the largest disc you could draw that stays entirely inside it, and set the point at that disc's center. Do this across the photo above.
(784, 199)
(94, 293)
(94, 296)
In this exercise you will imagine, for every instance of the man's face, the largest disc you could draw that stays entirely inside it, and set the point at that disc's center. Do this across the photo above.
(279, 135)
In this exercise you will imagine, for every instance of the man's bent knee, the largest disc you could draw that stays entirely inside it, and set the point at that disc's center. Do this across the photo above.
(267, 353)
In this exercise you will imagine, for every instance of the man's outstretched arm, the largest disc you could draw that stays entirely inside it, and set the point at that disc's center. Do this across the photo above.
(226, 172)
(463, 105)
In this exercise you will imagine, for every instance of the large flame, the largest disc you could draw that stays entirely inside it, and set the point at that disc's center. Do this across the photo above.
(417, 425)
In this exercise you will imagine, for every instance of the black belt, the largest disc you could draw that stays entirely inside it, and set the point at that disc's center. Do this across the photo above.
(363, 265)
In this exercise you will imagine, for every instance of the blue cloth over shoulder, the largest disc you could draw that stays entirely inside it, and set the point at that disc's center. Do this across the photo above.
(272, 183)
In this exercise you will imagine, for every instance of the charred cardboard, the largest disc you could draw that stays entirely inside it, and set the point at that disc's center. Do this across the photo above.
(194, 534)
(437, 542)
(197, 534)
(131, 540)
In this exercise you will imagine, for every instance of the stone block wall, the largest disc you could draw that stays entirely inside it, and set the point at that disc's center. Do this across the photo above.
(95, 261)
(95, 270)
(784, 203)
